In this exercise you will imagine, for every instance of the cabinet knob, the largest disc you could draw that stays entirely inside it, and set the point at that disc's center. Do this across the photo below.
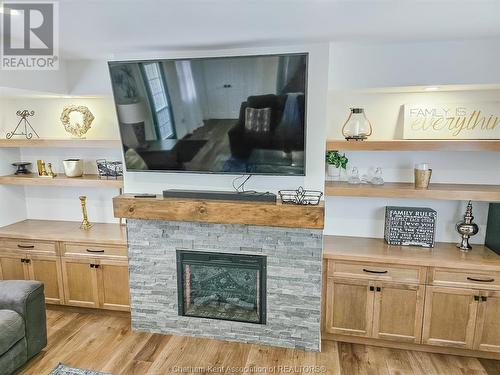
(372, 288)
(484, 299)
(476, 298)
(378, 289)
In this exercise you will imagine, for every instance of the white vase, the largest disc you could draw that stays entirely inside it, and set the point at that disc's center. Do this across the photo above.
(73, 167)
(334, 172)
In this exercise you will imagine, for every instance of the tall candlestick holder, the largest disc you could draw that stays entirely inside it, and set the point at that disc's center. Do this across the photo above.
(86, 225)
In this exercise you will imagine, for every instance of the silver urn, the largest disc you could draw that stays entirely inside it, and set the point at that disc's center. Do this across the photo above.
(467, 229)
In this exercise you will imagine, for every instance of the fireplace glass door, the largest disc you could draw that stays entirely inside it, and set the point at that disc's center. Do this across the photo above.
(222, 286)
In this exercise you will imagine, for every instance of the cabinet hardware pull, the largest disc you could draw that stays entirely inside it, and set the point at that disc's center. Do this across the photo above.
(27, 260)
(480, 280)
(26, 246)
(94, 251)
(484, 299)
(371, 271)
(96, 266)
(91, 265)
(372, 289)
(23, 260)
(379, 289)
(476, 298)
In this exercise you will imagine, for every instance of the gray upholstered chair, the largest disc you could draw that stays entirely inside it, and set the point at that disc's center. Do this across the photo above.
(23, 330)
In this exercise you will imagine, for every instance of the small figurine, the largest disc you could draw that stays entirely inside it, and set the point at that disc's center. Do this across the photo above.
(50, 173)
(467, 229)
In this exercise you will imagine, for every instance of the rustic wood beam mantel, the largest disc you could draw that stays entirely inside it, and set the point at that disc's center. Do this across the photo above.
(217, 211)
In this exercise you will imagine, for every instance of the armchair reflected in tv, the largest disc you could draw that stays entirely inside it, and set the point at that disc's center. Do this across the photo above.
(235, 115)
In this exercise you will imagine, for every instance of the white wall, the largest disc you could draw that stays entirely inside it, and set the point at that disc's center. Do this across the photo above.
(316, 131)
(364, 65)
(12, 204)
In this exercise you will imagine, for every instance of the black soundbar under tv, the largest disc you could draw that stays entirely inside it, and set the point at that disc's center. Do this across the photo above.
(220, 195)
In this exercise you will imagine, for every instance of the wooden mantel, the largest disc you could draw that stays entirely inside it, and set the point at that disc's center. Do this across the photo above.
(218, 211)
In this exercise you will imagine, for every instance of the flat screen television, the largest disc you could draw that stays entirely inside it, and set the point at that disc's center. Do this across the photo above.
(235, 115)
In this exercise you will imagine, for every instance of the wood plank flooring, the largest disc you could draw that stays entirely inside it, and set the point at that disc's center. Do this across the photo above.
(105, 342)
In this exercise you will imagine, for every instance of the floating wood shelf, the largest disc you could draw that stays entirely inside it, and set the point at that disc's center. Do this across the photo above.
(89, 180)
(61, 143)
(66, 231)
(444, 254)
(414, 145)
(488, 193)
(219, 211)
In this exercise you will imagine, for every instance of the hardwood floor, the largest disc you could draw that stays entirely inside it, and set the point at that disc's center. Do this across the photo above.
(104, 342)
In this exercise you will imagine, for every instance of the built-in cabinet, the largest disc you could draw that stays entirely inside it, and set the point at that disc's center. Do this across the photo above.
(436, 306)
(376, 302)
(92, 275)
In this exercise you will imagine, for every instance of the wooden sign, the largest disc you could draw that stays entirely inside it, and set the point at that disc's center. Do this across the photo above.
(452, 121)
(410, 226)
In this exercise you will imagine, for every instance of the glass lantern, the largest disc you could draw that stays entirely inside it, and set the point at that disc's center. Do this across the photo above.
(357, 127)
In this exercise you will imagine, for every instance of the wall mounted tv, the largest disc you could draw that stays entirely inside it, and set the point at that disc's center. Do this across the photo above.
(235, 115)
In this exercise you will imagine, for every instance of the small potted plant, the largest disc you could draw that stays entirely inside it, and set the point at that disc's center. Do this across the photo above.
(336, 163)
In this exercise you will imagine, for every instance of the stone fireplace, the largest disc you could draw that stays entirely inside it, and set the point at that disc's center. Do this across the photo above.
(248, 283)
(222, 286)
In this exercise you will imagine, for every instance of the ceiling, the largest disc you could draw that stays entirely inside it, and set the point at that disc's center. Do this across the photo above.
(102, 28)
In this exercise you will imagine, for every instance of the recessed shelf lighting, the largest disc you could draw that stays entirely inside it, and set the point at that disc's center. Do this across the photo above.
(431, 88)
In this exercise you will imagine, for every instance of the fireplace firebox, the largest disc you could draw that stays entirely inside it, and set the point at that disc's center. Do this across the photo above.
(222, 286)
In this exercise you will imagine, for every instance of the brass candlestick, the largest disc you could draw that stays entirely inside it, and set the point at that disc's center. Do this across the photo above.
(86, 225)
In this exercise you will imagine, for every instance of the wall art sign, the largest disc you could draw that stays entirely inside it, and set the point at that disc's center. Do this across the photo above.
(410, 226)
(452, 121)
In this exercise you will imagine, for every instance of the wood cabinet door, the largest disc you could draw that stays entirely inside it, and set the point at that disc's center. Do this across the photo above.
(349, 306)
(487, 335)
(47, 269)
(450, 316)
(113, 285)
(398, 312)
(13, 267)
(80, 282)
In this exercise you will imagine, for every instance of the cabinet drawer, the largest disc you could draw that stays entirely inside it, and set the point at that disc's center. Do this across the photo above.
(464, 278)
(377, 271)
(29, 246)
(94, 250)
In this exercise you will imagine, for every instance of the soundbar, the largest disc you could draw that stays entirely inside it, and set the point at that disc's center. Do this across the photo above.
(220, 195)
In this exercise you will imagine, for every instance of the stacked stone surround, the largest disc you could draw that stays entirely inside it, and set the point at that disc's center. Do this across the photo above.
(294, 262)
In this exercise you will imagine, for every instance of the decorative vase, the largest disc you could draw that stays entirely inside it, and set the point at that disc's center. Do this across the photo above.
(467, 229)
(334, 172)
(73, 167)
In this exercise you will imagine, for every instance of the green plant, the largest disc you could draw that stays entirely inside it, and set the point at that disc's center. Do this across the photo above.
(337, 160)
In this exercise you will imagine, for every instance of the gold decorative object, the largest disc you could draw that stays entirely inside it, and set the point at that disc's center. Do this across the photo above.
(50, 173)
(76, 129)
(86, 225)
(42, 172)
(423, 176)
(28, 129)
